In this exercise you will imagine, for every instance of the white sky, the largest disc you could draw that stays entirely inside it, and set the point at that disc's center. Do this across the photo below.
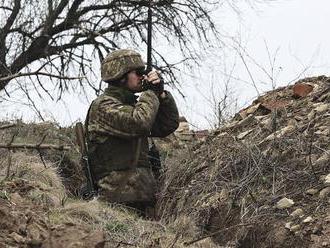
(295, 28)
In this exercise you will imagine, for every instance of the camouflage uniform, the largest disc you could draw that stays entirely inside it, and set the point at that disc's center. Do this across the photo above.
(118, 130)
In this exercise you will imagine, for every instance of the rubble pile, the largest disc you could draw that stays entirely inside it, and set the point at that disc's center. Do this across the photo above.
(261, 180)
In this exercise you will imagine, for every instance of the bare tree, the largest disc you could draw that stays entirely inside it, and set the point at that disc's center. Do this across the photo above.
(59, 39)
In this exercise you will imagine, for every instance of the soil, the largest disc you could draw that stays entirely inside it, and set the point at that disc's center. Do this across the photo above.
(230, 183)
(26, 224)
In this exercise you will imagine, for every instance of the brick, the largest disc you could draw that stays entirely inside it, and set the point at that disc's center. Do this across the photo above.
(302, 90)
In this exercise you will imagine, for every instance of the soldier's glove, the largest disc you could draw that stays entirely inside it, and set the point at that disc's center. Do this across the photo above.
(157, 88)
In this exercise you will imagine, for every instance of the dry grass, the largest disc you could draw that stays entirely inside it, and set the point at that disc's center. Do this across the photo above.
(229, 185)
(124, 226)
(227, 182)
(46, 184)
(43, 186)
(67, 162)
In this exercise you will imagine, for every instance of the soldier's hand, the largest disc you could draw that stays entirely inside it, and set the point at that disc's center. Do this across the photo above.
(155, 82)
(153, 77)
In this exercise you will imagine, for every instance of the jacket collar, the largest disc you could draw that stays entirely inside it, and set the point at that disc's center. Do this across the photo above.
(122, 94)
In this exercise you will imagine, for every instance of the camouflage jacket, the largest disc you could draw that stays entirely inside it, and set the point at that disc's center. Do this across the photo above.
(118, 128)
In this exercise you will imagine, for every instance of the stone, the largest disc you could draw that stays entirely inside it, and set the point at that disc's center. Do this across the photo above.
(267, 123)
(183, 127)
(311, 115)
(327, 219)
(299, 118)
(302, 90)
(239, 116)
(262, 110)
(312, 191)
(323, 128)
(292, 122)
(327, 179)
(315, 238)
(284, 203)
(280, 133)
(322, 107)
(318, 228)
(18, 238)
(248, 121)
(261, 118)
(297, 213)
(309, 219)
(230, 125)
(324, 132)
(223, 135)
(324, 193)
(258, 109)
(16, 199)
(276, 104)
(244, 134)
(224, 195)
(253, 109)
(288, 225)
(295, 228)
(323, 159)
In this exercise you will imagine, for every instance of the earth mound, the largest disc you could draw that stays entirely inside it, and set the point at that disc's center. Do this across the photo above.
(261, 180)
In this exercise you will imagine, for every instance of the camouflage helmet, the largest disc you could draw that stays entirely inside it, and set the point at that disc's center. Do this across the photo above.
(118, 63)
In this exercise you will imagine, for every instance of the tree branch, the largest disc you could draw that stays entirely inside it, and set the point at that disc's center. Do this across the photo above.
(13, 15)
(35, 146)
(36, 73)
(4, 32)
(53, 16)
(7, 126)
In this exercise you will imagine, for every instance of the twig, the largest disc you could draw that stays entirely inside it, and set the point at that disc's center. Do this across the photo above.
(34, 146)
(310, 154)
(7, 126)
(9, 164)
(12, 139)
(42, 158)
(175, 240)
(119, 243)
(124, 243)
(36, 73)
(40, 155)
(9, 154)
(34, 107)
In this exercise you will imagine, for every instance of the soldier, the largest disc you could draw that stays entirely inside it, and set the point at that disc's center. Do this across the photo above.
(118, 127)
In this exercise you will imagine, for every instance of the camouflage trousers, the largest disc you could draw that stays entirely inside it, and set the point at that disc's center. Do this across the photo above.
(135, 188)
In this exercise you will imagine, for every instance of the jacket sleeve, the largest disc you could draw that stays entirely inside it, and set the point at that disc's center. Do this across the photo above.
(167, 119)
(115, 118)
